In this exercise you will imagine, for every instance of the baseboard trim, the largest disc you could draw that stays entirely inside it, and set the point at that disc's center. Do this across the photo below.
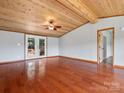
(91, 61)
(118, 67)
(82, 60)
(52, 56)
(8, 62)
(77, 59)
(15, 61)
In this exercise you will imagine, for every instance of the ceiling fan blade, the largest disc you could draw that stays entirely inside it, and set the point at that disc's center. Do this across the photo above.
(46, 28)
(58, 26)
(55, 29)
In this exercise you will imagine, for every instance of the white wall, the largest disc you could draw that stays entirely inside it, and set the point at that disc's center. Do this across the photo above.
(11, 46)
(53, 46)
(82, 42)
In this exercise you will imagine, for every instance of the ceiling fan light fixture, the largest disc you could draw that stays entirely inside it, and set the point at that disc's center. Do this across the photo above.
(51, 27)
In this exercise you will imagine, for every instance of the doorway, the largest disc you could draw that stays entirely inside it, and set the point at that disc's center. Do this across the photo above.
(105, 46)
(35, 46)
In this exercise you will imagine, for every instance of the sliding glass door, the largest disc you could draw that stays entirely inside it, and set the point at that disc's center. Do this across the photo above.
(42, 47)
(35, 46)
(30, 47)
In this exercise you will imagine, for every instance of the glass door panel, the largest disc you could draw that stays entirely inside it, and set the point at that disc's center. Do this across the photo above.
(30, 47)
(41, 47)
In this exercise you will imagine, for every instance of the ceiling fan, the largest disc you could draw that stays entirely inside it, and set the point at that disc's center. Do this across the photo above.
(51, 26)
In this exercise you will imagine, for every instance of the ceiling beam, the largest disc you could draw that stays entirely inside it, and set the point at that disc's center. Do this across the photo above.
(79, 7)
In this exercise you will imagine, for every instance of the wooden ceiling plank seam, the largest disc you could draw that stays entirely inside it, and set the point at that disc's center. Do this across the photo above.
(45, 16)
(62, 12)
(81, 9)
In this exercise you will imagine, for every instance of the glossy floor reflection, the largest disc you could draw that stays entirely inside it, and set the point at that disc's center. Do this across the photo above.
(59, 75)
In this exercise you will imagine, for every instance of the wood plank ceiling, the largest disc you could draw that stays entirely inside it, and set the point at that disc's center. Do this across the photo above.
(29, 16)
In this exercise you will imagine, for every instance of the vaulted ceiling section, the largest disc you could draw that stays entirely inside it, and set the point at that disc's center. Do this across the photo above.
(30, 16)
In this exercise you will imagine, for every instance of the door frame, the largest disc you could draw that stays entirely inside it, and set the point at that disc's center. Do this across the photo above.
(36, 38)
(113, 31)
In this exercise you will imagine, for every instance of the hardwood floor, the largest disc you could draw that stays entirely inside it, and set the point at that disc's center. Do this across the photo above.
(59, 75)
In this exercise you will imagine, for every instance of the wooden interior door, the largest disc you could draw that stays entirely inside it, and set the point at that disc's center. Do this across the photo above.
(105, 45)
